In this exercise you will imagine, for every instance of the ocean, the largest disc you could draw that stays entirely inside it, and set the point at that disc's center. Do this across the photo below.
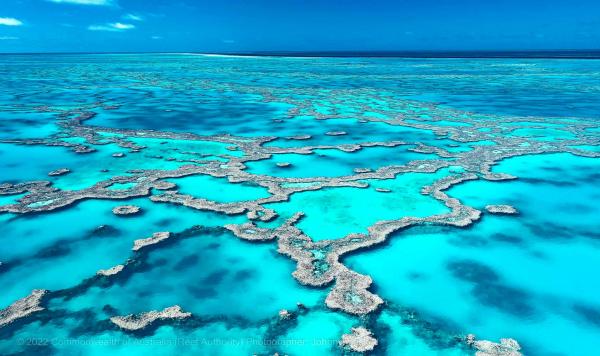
(315, 204)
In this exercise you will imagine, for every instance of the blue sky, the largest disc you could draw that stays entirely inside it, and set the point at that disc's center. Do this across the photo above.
(296, 25)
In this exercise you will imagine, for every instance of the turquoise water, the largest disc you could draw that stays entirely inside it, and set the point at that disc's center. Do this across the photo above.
(355, 132)
(218, 189)
(241, 130)
(333, 163)
(10, 199)
(20, 123)
(78, 249)
(42, 160)
(475, 278)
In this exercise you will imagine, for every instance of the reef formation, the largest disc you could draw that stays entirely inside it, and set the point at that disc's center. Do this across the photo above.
(474, 143)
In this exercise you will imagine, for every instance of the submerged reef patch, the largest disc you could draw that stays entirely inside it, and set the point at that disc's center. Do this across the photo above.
(506, 347)
(111, 271)
(140, 321)
(126, 210)
(22, 308)
(154, 239)
(359, 340)
(501, 209)
(59, 172)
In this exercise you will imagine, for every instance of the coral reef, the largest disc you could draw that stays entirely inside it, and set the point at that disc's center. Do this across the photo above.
(140, 321)
(154, 239)
(22, 308)
(501, 209)
(111, 271)
(359, 340)
(466, 145)
(59, 172)
(126, 210)
(506, 347)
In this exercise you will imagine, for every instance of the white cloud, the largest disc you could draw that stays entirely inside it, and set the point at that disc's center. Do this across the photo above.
(10, 21)
(156, 37)
(133, 17)
(8, 38)
(121, 26)
(85, 2)
(114, 27)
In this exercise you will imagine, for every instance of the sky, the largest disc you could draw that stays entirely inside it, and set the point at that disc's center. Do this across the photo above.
(224, 26)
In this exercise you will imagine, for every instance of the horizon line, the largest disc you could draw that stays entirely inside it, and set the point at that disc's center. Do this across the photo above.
(517, 53)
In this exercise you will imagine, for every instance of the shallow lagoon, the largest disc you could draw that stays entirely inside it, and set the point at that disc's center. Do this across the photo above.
(218, 189)
(351, 131)
(333, 213)
(333, 163)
